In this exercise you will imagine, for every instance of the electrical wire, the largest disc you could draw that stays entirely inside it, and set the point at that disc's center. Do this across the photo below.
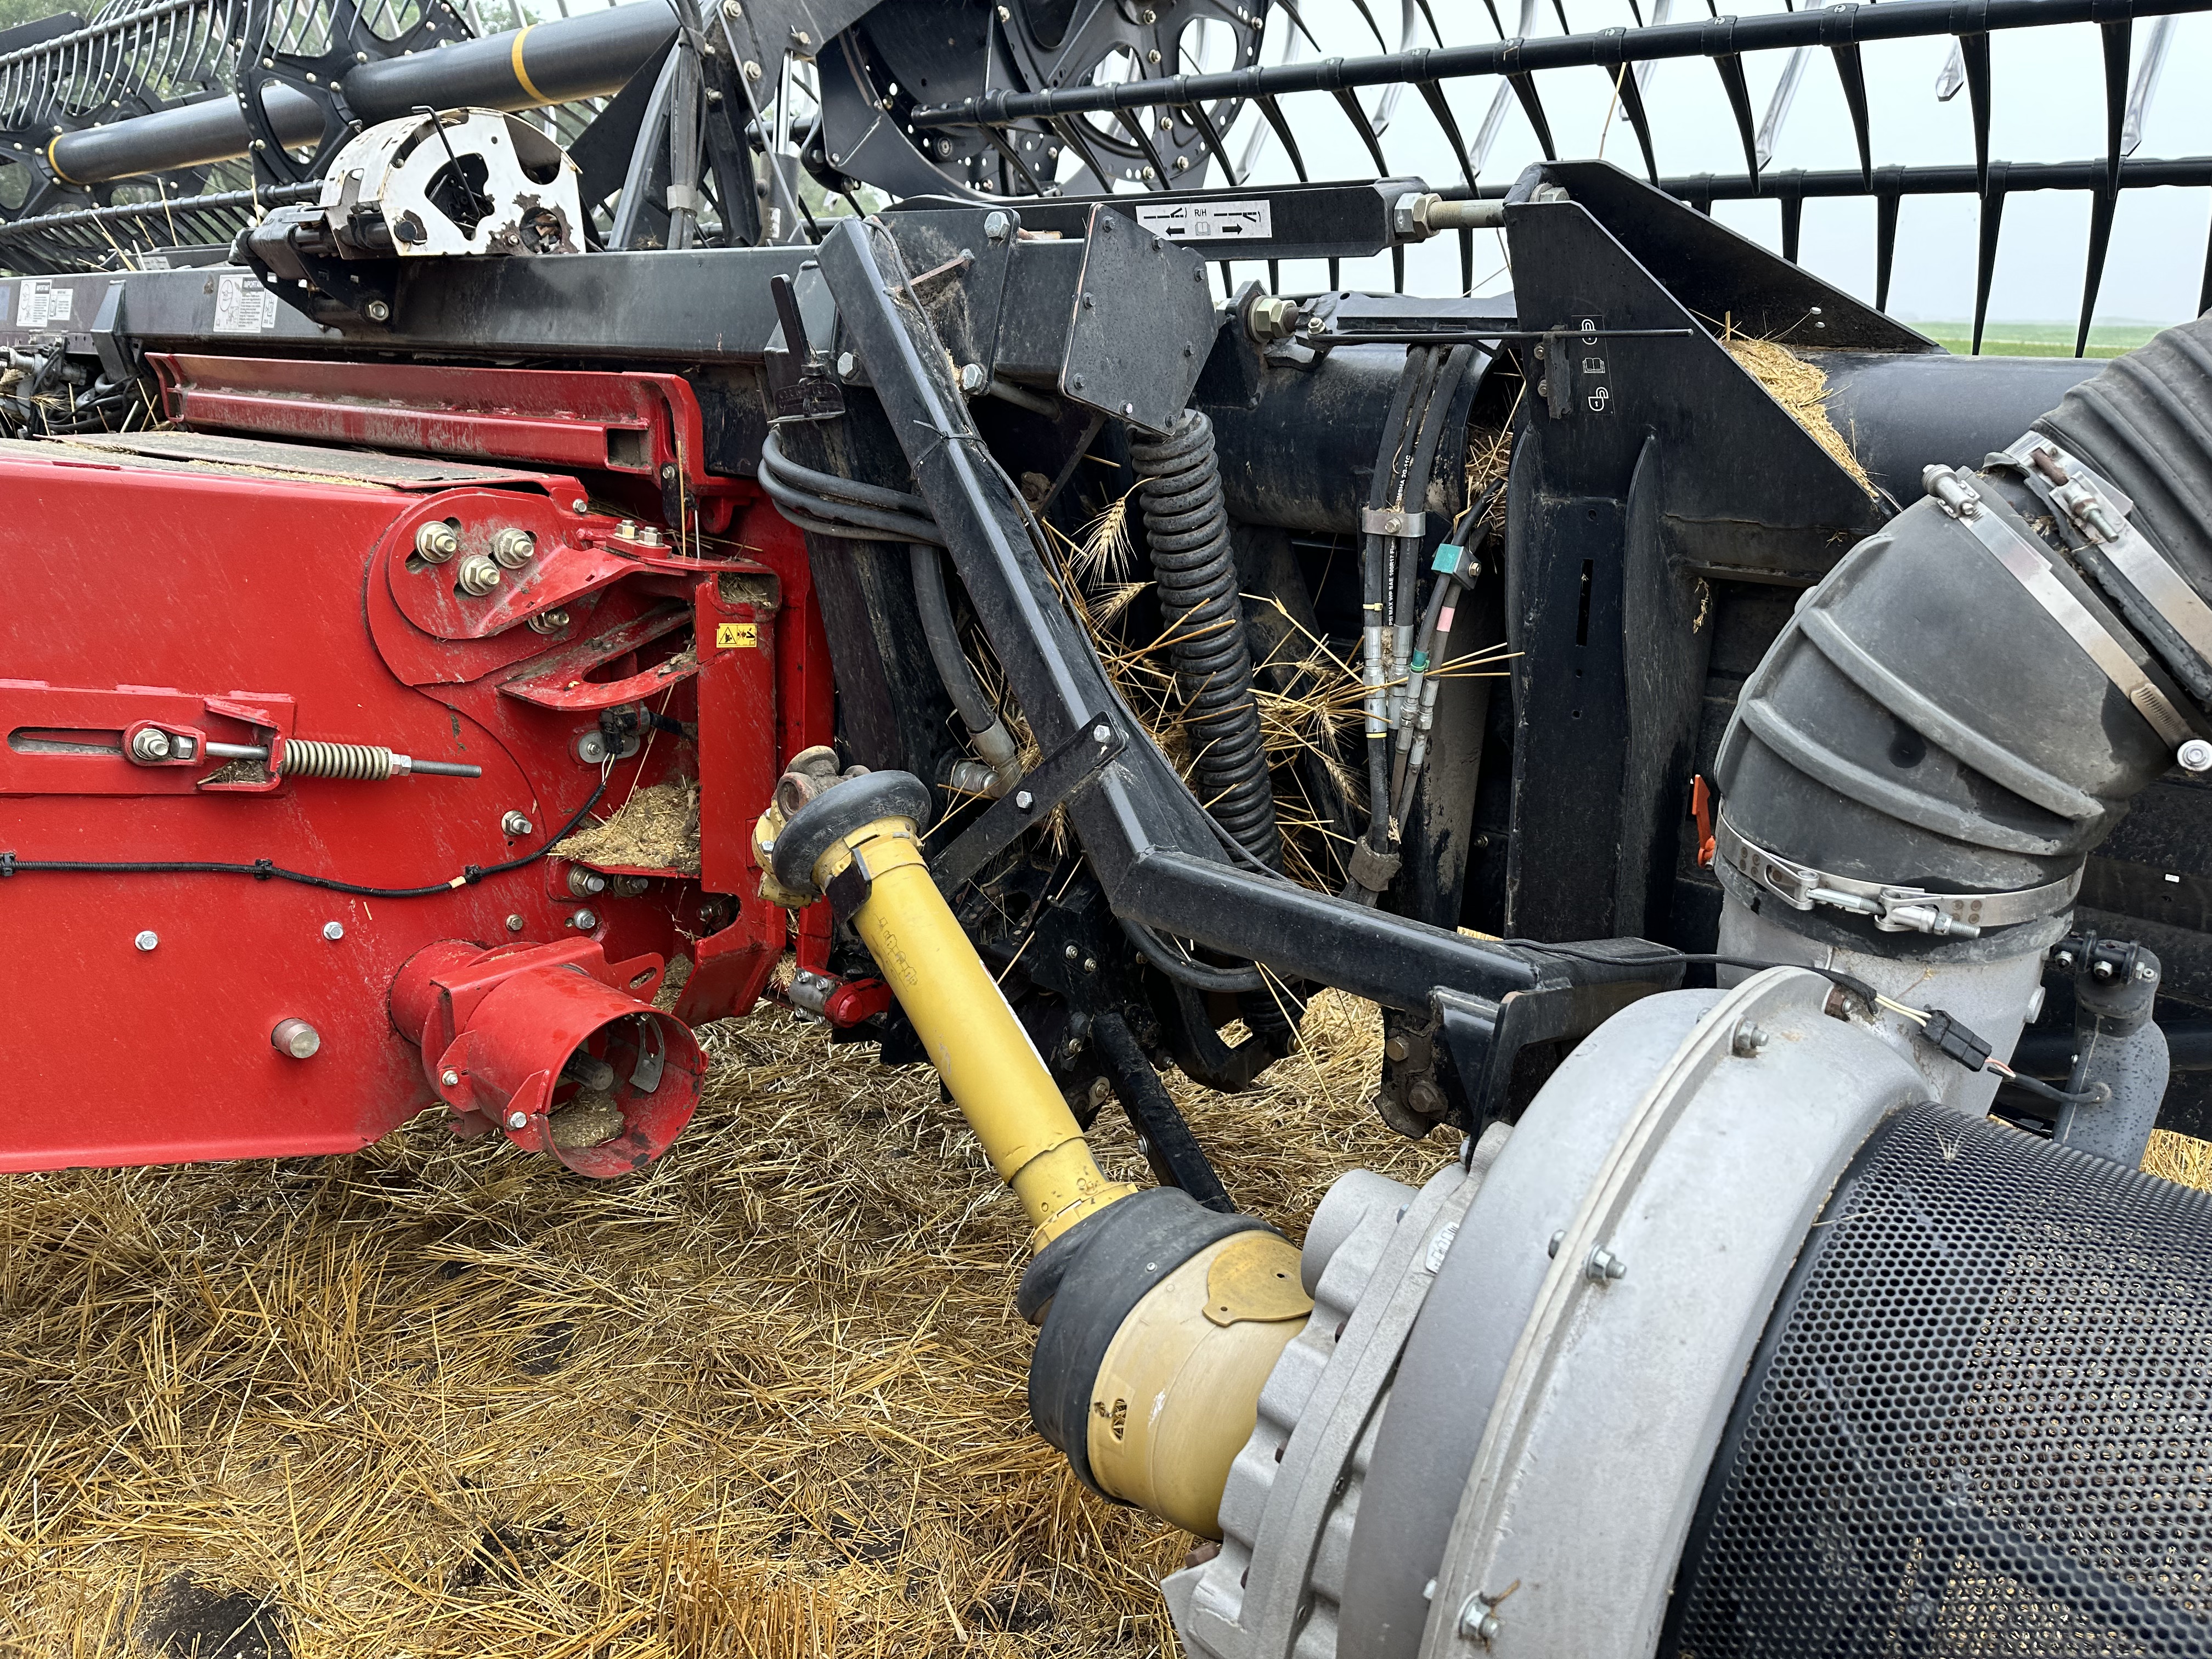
(263, 870)
(1175, 966)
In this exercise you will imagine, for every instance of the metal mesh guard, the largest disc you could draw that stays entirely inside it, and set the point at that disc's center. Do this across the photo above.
(1980, 1420)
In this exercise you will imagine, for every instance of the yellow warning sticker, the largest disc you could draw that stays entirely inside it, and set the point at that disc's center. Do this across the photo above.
(736, 636)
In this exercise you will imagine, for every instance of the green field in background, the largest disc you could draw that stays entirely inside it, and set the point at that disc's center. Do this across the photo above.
(2038, 339)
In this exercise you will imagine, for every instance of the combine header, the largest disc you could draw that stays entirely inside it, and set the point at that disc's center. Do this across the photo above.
(500, 570)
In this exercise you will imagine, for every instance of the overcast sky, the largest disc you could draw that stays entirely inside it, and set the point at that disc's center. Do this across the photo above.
(2049, 106)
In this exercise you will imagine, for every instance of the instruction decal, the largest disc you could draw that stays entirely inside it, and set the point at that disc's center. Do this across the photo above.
(242, 306)
(1208, 221)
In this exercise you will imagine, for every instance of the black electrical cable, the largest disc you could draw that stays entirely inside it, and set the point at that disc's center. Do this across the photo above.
(1195, 975)
(263, 870)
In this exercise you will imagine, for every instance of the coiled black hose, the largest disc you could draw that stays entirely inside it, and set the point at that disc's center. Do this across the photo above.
(1186, 525)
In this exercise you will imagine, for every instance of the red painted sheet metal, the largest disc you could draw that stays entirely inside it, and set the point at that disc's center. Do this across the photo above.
(589, 419)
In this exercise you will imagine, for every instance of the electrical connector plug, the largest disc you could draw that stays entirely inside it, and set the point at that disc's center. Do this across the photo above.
(1953, 1038)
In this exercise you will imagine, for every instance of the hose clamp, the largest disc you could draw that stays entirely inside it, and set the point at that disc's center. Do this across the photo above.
(1392, 521)
(1894, 909)
(2028, 564)
(2099, 511)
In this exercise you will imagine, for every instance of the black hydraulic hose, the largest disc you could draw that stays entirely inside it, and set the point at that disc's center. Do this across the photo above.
(1187, 526)
(1442, 393)
(830, 505)
(1196, 974)
(942, 635)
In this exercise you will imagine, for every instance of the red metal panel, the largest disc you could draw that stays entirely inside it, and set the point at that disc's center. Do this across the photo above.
(141, 577)
(588, 420)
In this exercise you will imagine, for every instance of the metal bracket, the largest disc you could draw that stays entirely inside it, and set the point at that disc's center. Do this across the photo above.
(1392, 521)
(1058, 777)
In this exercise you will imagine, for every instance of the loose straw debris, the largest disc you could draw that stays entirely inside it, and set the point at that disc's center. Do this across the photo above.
(442, 1399)
(1801, 389)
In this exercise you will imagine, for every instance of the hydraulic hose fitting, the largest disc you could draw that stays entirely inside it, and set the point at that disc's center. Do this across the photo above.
(857, 841)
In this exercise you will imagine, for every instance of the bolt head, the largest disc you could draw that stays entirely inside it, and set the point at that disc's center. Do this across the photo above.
(1024, 800)
(334, 931)
(377, 311)
(584, 920)
(997, 225)
(579, 505)
(2101, 970)
(974, 379)
(1102, 733)
(2195, 755)
(514, 924)
(146, 940)
(297, 1039)
(450, 1078)
(516, 1120)
(847, 362)
(1071, 952)
(516, 824)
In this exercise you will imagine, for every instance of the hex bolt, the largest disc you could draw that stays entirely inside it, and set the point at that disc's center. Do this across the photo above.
(1477, 1622)
(998, 225)
(1102, 732)
(295, 1037)
(592, 748)
(626, 529)
(549, 621)
(377, 311)
(847, 362)
(512, 548)
(586, 883)
(1070, 952)
(518, 1120)
(584, 920)
(450, 1078)
(1603, 1266)
(436, 543)
(1750, 1038)
(975, 379)
(1090, 965)
(516, 824)
(480, 574)
(151, 744)
(146, 940)
(2195, 755)
(2101, 970)
(1024, 800)
(514, 924)
(334, 931)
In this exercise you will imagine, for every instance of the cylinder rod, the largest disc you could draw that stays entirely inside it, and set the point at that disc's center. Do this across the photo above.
(592, 55)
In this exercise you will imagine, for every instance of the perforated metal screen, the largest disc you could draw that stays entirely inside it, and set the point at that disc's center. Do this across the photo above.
(1980, 1422)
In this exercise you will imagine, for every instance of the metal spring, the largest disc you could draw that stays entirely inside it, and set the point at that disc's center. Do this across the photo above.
(1186, 525)
(307, 757)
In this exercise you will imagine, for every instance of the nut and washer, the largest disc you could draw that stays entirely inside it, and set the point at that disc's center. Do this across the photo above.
(1478, 1620)
(334, 931)
(146, 940)
(516, 824)
(435, 542)
(450, 1078)
(591, 747)
(377, 311)
(151, 744)
(295, 1037)
(480, 574)
(1604, 1266)
(518, 1120)
(586, 883)
(549, 621)
(512, 548)
(584, 920)
(1749, 1038)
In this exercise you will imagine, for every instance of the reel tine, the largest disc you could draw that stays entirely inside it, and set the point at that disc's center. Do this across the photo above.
(1348, 101)
(1272, 112)
(1632, 106)
(1974, 56)
(1885, 245)
(2118, 38)
(1853, 73)
(1985, 262)
(1730, 65)
(2101, 208)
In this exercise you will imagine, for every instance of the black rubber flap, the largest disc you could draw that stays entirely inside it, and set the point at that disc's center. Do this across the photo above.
(1086, 1281)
